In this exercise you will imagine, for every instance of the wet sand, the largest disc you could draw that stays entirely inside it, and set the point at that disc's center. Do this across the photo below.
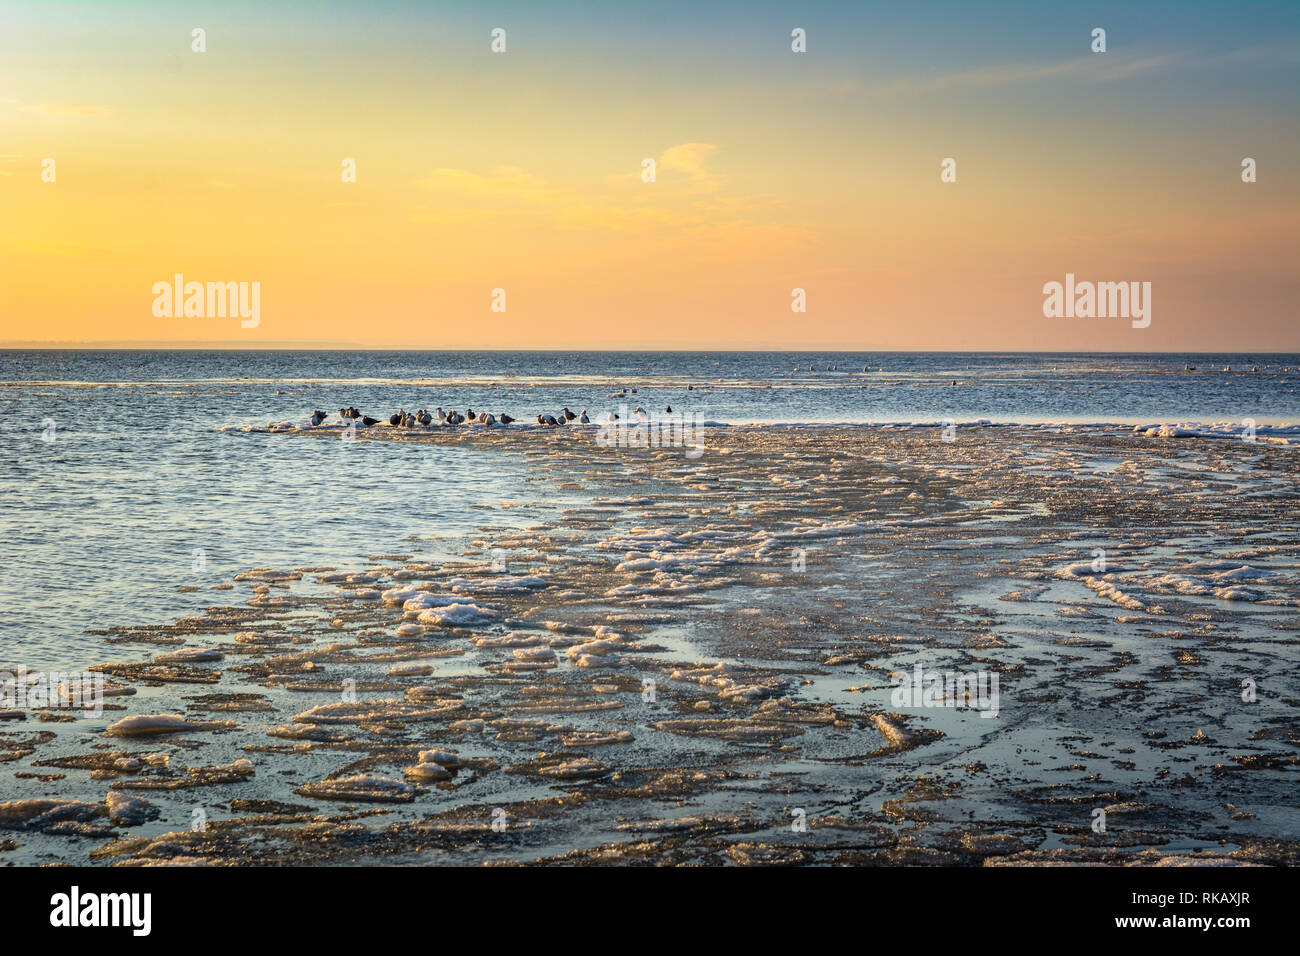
(697, 664)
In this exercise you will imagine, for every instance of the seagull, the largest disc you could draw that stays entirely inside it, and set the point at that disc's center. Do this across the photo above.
(396, 418)
(568, 414)
(490, 420)
(317, 417)
(469, 413)
(506, 419)
(424, 418)
(669, 410)
(368, 421)
(442, 416)
(583, 417)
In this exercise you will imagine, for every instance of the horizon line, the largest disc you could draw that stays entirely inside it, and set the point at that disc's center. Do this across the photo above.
(128, 346)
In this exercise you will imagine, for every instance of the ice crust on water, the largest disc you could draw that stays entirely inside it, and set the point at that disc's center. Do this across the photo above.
(410, 670)
(1217, 579)
(189, 655)
(44, 811)
(782, 678)
(361, 788)
(456, 615)
(498, 585)
(124, 809)
(423, 601)
(399, 595)
(142, 724)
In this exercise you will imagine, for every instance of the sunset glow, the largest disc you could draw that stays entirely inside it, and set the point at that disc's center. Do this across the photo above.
(523, 171)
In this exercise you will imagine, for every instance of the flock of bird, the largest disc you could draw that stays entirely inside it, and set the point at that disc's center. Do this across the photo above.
(425, 419)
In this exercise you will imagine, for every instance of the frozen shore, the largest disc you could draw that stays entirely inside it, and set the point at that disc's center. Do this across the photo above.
(703, 663)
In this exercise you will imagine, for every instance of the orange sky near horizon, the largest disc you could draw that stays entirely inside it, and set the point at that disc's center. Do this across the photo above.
(524, 174)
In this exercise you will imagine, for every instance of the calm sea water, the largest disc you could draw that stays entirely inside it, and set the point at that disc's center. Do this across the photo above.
(101, 525)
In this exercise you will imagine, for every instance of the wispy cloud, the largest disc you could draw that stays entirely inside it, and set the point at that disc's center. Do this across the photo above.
(689, 160)
(67, 109)
(686, 199)
(683, 165)
(1100, 68)
(502, 182)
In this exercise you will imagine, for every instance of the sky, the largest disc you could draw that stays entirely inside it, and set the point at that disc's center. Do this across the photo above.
(774, 171)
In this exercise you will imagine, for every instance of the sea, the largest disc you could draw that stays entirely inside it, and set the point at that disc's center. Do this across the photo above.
(134, 480)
